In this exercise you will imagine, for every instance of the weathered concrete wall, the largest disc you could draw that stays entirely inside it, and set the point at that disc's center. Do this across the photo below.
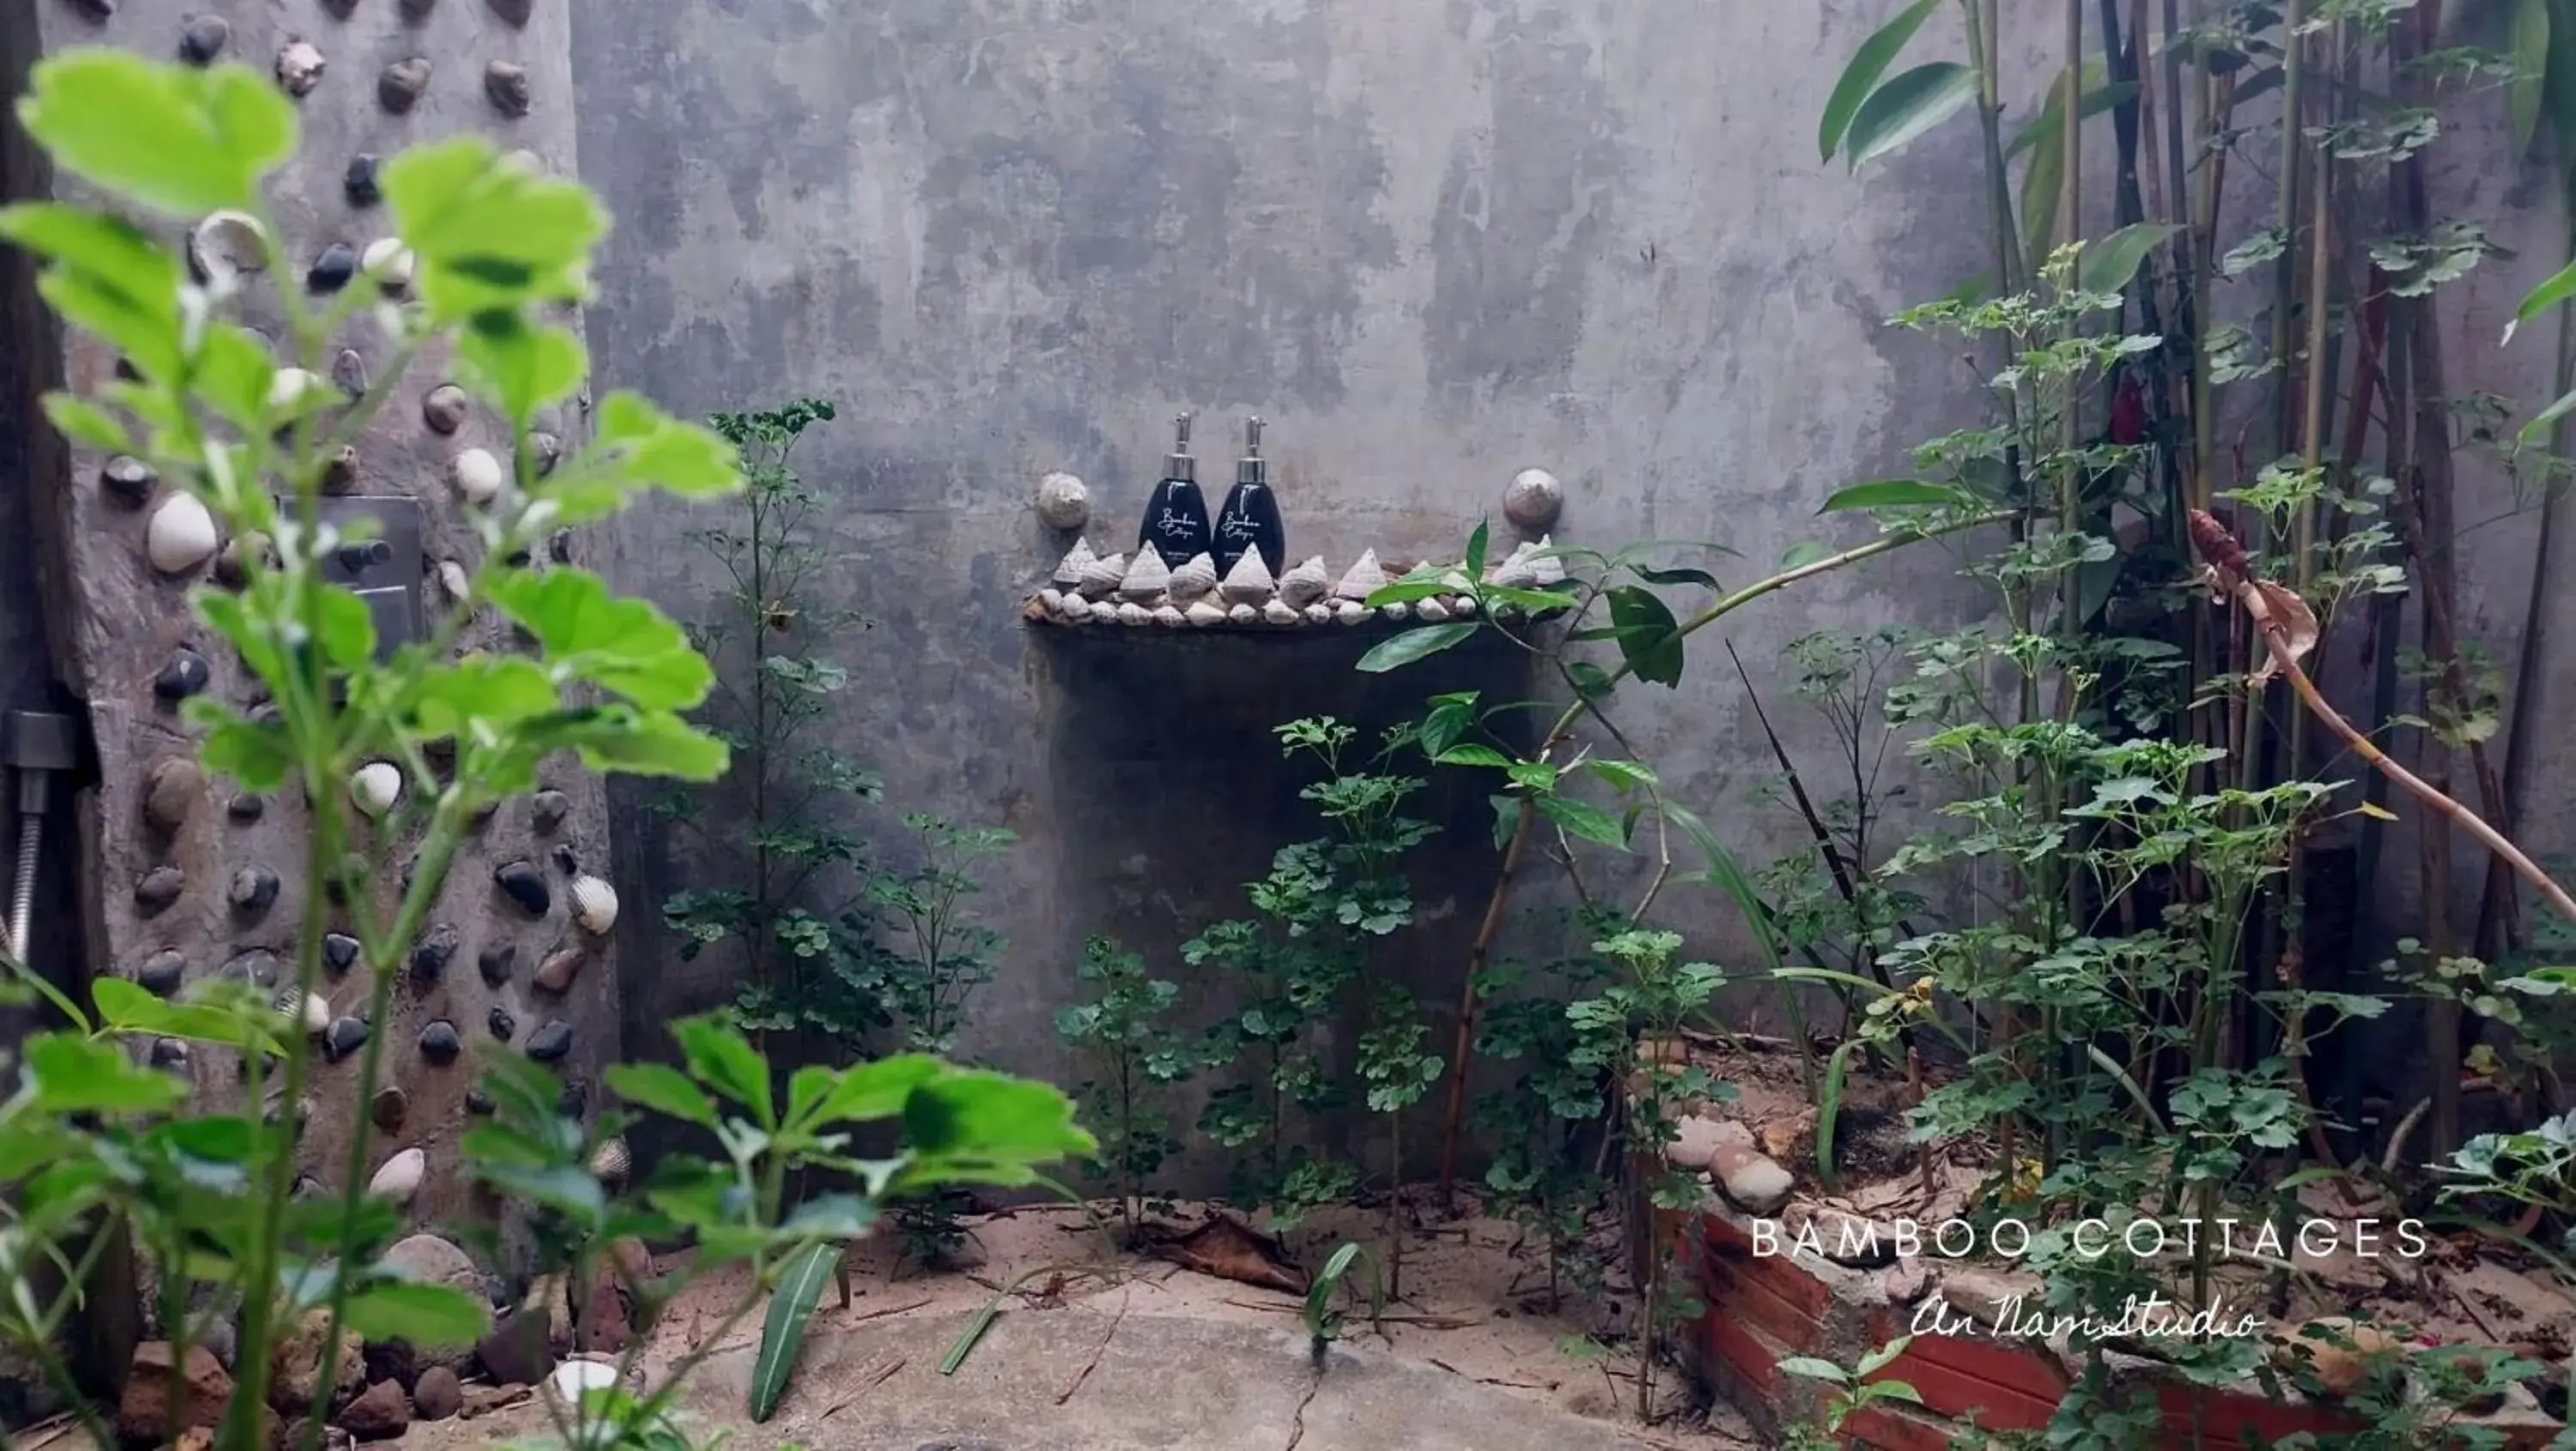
(114, 622)
(1430, 243)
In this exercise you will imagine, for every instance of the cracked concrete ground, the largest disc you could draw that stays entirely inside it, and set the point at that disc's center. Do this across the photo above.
(1156, 1382)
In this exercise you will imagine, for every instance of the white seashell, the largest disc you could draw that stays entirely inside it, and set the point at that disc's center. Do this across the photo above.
(1398, 611)
(477, 475)
(1279, 612)
(575, 1379)
(1249, 582)
(594, 905)
(376, 786)
(390, 263)
(1051, 600)
(611, 1160)
(1515, 571)
(1205, 612)
(181, 535)
(1063, 501)
(1132, 613)
(401, 1176)
(1076, 609)
(1463, 606)
(1068, 570)
(1533, 500)
(1101, 578)
(1193, 580)
(1145, 579)
(1243, 615)
(1306, 583)
(452, 578)
(1363, 579)
(1431, 610)
(311, 1010)
(288, 387)
(1549, 569)
(1319, 613)
(227, 245)
(1349, 612)
(1170, 617)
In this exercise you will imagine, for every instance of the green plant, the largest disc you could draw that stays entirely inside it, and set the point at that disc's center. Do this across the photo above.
(1550, 1127)
(782, 1333)
(929, 954)
(1323, 1317)
(97, 1150)
(786, 814)
(1853, 1389)
(1134, 1058)
(1322, 906)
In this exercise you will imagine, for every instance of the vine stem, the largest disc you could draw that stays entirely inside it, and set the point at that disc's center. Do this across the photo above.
(1463, 1050)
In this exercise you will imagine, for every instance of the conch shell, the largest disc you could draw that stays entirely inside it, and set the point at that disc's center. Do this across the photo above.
(1249, 582)
(1365, 578)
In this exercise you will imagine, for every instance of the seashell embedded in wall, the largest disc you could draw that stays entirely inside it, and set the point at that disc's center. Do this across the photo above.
(594, 905)
(181, 535)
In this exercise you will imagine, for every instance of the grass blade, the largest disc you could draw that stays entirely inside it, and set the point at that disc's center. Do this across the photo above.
(782, 1335)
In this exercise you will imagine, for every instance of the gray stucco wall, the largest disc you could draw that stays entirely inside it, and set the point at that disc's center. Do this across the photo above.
(1431, 243)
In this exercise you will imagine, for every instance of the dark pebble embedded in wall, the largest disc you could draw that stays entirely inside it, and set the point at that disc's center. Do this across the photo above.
(417, 11)
(170, 794)
(547, 810)
(496, 962)
(203, 38)
(254, 891)
(339, 951)
(391, 1107)
(559, 970)
(477, 1101)
(127, 480)
(169, 1053)
(161, 973)
(246, 807)
(566, 860)
(551, 1042)
(445, 408)
(400, 87)
(506, 82)
(440, 1044)
(525, 886)
(344, 1037)
(185, 674)
(332, 270)
(429, 956)
(516, 12)
(559, 546)
(159, 888)
(349, 370)
(502, 1025)
(340, 475)
(359, 183)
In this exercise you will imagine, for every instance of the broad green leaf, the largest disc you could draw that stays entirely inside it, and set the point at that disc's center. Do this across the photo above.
(1907, 106)
(145, 331)
(1804, 553)
(782, 1334)
(488, 235)
(2109, 262)
(2557, 288)
(2043, 186)
(125, 1007)
(257, 757)
(867, 1092)
(171, 137)
(638, 447)
(423, 1315)
(522, 367)
(621, 645)
(1476, 550)
(2530, 52)
(1406, 591)
(1624, 775)
(1680, 575)
(974, 1127)
(1584, 819)
(642, 743)
(1398, 651)
(560, 1186)
(85, 423)
(1650, 638)
(67, 1074)
(2097, 99)
(499, 690)
(1890, 494)
(724, 1060)
(834, 1216)
(2537, 430)
(1473, 755)
(110, 250)
(1861, 73)
(663, 1089)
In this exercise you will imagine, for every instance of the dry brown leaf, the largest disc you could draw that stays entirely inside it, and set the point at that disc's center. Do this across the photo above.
(1231, 1250)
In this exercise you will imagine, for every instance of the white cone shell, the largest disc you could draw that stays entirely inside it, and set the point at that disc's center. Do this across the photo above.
(1169, 617)
(181, 535)
(594, 905)
(1364, 578)
(1206, 612)
(1279, 612)
(401, 1176)
(1249, 582)
(1431, 610)
(1101, 578)
(1192, 581)
(1069, 570)
(1077, 610)
(1132, 613)
(1146, 578)
(1305, 584)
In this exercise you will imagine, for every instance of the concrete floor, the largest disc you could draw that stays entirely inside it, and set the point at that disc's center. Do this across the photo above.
(1155, 1382)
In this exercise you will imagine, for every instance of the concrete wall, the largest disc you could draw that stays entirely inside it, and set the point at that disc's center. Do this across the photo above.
(1431, 244)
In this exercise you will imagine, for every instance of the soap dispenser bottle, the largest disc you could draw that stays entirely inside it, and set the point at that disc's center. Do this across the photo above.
(1176, 517)
(1249, 522)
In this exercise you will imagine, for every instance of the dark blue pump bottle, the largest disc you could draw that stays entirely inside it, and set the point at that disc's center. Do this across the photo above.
(1176, 516)
(1249, 523)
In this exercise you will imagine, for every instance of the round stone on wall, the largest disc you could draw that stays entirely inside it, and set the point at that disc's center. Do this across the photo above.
(1064, 501)
(1533, 501)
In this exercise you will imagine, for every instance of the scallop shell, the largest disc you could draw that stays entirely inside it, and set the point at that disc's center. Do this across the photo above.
(1068, 570)
(1243, 615)
(1101, 578)
(1431, 610)
(1549, 568)
(376, 786)
(401, 1176)
(1192, 580)
(1205, 612)
(181, 535)
(1349, 612)
(1076, 609)
(1280, 612)
(390, 263)
(477, 475)
(1132, 613)
(227, 245)
(1306, 583)
(594, 905)
(1145, 579)
(612, 1160)
(1170, 617)
(1319, 613)
(1249, 582)
(1364, 578)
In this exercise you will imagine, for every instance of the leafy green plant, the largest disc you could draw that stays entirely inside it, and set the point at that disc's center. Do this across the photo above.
(787, 813)
(1853, 1388)
(98, 1150)
(929, 954)
(1135, 1058)
(1321, 1312)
